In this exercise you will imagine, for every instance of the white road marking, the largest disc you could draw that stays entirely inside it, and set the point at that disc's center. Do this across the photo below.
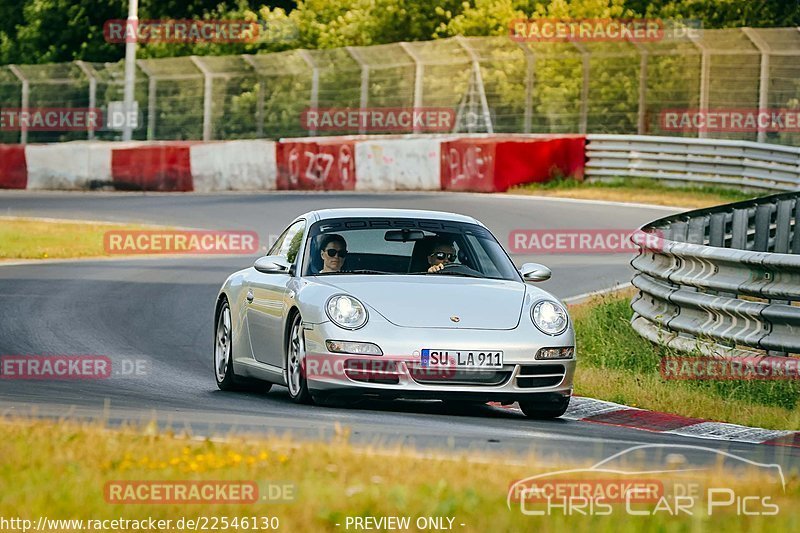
(587, 295)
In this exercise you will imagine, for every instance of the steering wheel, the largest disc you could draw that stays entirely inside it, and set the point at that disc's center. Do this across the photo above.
(457, 267)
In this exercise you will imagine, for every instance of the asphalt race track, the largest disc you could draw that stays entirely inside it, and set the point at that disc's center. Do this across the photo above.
(160, 311)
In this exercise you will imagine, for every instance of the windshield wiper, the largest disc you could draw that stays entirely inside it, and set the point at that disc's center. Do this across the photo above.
(464, 274)
(362, 271)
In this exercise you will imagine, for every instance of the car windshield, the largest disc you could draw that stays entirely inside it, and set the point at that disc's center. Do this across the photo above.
(403, 246)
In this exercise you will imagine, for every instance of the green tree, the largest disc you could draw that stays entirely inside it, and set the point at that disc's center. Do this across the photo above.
(47, 31)
(724, 13)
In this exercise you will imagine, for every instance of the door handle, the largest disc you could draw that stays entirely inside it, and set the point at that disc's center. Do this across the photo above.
(250, 296)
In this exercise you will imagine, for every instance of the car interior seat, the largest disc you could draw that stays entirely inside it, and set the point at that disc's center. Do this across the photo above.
(419, 256)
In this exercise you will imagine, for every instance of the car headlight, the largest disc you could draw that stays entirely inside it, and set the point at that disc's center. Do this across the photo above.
(346, 312)
(549, 317)
(355, 348)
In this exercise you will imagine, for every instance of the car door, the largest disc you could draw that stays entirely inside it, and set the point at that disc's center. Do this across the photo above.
(266, 311)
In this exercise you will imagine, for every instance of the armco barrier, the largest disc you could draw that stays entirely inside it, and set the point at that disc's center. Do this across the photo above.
(321, 165)
(723, 280)
(698, 161)
(156, 167)
(13, 167)
(496, 164)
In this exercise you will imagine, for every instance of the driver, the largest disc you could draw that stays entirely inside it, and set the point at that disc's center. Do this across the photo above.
(333, 249)
(442, 253)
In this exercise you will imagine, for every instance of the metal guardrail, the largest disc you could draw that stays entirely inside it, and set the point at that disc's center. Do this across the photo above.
(723, 281)
(747, 164)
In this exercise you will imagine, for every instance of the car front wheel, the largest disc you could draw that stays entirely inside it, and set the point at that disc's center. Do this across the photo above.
(295, 371)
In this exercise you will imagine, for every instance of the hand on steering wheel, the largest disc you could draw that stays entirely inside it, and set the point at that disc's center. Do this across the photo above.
(440, 267)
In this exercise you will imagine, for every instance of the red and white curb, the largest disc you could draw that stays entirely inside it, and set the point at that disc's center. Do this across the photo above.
(613, 414)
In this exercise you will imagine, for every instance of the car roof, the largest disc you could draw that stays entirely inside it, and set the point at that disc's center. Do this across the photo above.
(371, 212)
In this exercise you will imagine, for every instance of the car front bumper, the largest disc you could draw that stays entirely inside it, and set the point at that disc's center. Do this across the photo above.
(399, 374)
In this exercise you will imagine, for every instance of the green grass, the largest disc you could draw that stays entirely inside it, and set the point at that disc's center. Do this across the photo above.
(59, 471)
(617, 364)
(27, 238)
(637, 190)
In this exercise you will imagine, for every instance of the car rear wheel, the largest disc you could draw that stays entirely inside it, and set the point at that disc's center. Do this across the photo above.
(296, 363)
(542, 410)
(227, 379)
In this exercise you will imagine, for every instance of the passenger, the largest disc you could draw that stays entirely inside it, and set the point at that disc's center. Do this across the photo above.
(333, 249)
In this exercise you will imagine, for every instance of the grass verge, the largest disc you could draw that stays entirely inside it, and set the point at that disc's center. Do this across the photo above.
(61, 471)
(636, 190)
(31, 238)
(618, 365)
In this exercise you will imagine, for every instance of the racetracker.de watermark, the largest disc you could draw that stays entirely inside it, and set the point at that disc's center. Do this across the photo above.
(426, 119)
(731, 120)
(181, 31)
(197, 492)
(69, 367)
(586, 30)
(581, 241)
(126, 242)
(344, 366)
(609, 490)
(740, 368)
(51, 119)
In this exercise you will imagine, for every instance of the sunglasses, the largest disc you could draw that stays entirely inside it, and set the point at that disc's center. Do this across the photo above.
(333, 251)
(441, 256)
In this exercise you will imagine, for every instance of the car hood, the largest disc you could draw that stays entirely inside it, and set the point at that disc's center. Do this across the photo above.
(424, 302)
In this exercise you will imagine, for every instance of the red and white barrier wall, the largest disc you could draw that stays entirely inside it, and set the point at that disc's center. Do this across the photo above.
(389, 163)
(495, 164)
(399, 165)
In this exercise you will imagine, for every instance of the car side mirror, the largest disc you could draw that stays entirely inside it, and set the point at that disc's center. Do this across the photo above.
(272, 264)
(535, 272)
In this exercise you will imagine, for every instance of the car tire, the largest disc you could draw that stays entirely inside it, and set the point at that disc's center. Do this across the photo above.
(224, 374)
(295, 367)
(543, 410)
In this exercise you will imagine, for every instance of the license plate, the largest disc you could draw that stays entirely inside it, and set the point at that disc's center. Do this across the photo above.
(461, 358)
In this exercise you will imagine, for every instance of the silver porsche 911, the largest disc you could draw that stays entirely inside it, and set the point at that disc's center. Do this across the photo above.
(394, 303)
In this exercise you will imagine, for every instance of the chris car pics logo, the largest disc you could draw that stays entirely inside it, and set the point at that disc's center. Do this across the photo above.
(661, 483)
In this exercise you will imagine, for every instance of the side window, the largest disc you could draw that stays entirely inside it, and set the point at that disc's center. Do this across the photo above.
(289, 243)
(484, 263)
(276, 246)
